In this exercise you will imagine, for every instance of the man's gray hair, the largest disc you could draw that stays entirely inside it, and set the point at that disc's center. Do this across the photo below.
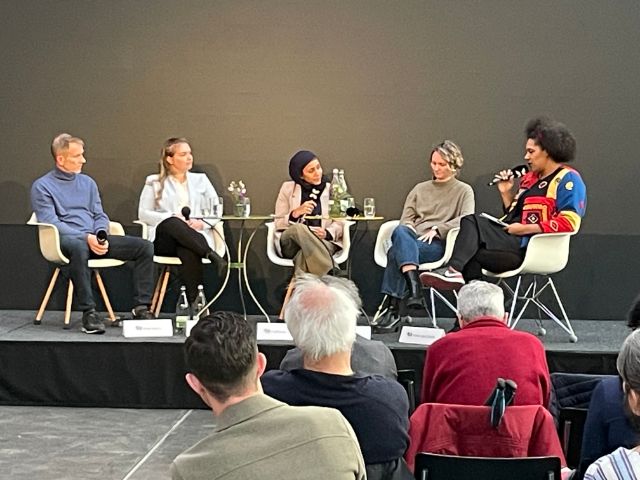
(61, 143)
(628, 362)
(480, 299)
(322, 315)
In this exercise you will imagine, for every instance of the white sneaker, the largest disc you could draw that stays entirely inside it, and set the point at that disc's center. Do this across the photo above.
(443, 279)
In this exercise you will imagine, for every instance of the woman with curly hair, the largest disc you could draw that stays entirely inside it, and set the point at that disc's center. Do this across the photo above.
(551, 198)
(431, 209)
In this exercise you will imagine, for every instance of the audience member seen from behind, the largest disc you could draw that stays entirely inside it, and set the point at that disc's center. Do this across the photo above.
(431, 209)
(607, 426)
(310, 242)
(321, 317)
(462, 367)
(368, 357)
(551, 198)
(69, 199)
(256, 436)
(624, 463)
(163, 198)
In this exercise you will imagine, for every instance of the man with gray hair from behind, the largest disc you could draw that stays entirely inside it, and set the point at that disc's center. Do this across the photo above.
(462, 367)
(322, 316)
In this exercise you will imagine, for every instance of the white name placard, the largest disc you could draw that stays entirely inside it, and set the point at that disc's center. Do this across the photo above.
(420, 335)
(364, 331)
(160, 327)
(273, 331)
(189, 326)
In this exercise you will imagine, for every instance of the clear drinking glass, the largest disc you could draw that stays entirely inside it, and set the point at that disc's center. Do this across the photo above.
(369, 207)
(218, 208)
(246, 206)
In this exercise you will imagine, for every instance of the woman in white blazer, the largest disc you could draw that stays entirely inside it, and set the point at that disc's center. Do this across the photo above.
(162, 200)
(309, 242)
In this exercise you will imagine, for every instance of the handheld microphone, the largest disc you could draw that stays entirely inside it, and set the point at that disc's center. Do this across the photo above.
(186, 212)
(515, 172)
(101, 236)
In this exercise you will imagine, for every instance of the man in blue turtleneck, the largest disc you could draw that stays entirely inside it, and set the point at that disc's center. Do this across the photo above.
(70, 200)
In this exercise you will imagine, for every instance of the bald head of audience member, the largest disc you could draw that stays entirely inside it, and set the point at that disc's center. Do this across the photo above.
(322, 316)
(223, 360)
(479, 299)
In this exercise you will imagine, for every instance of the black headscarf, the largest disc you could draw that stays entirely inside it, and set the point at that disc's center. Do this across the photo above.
(297, 163)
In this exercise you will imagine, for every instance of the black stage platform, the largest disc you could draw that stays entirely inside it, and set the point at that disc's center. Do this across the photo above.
(46, 365)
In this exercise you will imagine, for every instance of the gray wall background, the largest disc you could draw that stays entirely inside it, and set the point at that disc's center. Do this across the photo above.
(368, 85)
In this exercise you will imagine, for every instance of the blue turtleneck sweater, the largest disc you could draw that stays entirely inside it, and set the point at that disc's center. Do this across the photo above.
(69, 201)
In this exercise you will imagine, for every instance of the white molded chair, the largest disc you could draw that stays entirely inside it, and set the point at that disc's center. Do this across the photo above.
(168, 262)
(547, 253)
(49, 239)
(383, 243)
(339, 257)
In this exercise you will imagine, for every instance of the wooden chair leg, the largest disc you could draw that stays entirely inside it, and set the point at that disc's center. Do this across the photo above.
(47, 296)
(67, 310)
(156, 290)
(163, 290)
(105, 297)
(287, 297)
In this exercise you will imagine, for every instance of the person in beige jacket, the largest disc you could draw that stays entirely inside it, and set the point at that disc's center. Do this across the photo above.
(256, 436)
(310, 242)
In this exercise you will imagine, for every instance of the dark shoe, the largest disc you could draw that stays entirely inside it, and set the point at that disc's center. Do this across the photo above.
(141, 312)
(219, 262)
(455, 328)
(92, 323)
(338, 272)
(442, 279)
(415, 299)
(388, 323)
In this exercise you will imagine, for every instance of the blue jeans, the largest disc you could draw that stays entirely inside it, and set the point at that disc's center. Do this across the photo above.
(406, 249)
(125, 247)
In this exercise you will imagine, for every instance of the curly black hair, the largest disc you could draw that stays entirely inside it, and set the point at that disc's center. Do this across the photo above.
(221, 351)
(633, 316)
(553, 137)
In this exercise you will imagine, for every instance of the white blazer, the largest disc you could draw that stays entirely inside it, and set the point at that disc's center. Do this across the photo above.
(199, 188)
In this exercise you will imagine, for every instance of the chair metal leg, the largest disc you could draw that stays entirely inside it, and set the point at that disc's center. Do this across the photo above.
(380, 311)
(47, 296)
(287, 297)
(436, 293)
(105, 297)
(67, 310)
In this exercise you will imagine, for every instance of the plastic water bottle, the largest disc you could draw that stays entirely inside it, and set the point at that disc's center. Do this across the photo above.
(182, 311)
(346, 200)
(201, 301)
(335, 194)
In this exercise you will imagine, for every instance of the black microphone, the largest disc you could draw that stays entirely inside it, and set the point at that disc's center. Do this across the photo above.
(353, 212)
(101, 236)
(515, 172)
(186, 211)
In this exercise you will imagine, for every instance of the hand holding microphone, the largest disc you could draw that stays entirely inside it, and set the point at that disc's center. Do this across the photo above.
(509, 174)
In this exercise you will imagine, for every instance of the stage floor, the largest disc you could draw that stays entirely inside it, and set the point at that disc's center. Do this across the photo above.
(47, 365)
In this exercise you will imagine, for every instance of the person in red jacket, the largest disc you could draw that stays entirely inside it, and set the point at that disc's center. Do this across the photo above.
(462, 367)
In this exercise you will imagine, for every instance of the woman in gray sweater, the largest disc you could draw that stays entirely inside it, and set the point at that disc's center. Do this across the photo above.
(431, 209)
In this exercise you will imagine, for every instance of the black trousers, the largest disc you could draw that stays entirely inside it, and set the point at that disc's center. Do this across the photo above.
(174, 238)
(484, 244)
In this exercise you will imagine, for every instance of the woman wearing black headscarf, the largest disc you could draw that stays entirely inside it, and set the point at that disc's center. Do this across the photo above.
(310, 242)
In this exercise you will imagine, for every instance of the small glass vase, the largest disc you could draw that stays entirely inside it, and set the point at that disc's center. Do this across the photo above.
(242, 207)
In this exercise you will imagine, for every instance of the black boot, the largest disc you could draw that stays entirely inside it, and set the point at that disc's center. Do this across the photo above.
(219, 262)
(415, 299)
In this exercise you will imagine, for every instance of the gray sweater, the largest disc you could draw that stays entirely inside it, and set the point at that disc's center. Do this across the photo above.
(439, 204)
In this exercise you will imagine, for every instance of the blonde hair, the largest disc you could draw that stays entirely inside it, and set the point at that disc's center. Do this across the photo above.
(450, 153)
(168, 150)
